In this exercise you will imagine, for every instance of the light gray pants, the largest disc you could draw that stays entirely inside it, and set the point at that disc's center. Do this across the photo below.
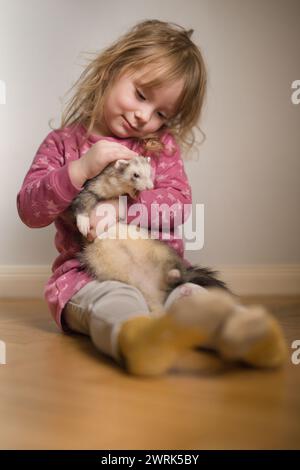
(99, 309)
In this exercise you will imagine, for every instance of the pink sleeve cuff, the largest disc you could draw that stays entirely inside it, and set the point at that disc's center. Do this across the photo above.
(63, 185)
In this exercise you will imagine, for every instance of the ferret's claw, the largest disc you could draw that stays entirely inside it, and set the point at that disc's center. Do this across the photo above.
(133, 193)
(83, 224)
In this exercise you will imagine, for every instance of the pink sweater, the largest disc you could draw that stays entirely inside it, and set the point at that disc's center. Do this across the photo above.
(47, 191)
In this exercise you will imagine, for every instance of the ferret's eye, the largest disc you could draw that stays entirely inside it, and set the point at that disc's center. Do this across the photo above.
(136, 175)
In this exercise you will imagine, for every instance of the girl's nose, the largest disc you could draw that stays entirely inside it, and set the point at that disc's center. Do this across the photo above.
(143, 116)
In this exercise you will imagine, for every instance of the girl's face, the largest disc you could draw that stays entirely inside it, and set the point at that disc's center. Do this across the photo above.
(131, 110)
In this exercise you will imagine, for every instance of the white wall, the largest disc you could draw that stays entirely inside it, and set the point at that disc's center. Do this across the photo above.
(248, 172)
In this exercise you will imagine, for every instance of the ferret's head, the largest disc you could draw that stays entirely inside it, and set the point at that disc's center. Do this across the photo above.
(136, 173)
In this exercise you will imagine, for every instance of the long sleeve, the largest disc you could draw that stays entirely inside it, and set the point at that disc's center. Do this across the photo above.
(47, 189)
(169, 203)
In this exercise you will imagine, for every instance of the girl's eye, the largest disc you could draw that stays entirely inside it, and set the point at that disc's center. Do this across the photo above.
(140, 94)
(161, 115)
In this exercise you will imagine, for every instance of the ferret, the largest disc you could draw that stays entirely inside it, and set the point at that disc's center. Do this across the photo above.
(148, 264)
(117, 178)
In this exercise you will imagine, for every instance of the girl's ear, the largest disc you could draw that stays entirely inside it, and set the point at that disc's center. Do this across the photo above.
(121, 164)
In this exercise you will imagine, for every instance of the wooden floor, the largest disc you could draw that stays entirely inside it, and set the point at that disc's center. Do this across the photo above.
(58, 392)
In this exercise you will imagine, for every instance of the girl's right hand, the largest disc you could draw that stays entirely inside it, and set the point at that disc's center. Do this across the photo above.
(96, 159)
(101, 154)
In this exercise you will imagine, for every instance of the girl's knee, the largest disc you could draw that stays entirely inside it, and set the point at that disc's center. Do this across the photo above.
(185, 289)
(117, 299)
(125, 290)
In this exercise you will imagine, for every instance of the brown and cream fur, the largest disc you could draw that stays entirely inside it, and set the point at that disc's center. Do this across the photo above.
(147, 264)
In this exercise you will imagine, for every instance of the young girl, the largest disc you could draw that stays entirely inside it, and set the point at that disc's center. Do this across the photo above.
(143, 95)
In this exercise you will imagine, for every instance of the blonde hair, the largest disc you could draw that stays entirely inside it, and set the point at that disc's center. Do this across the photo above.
(167, 47)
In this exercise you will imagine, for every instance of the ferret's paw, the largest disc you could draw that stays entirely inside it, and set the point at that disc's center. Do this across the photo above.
(83, 224)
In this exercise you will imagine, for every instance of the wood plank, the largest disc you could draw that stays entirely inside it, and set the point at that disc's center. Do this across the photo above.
(58, 392)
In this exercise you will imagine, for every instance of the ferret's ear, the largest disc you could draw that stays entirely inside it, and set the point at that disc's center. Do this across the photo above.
(121, 164)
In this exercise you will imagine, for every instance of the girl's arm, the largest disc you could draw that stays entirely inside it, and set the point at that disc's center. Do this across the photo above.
(172, 188)
(47, 189)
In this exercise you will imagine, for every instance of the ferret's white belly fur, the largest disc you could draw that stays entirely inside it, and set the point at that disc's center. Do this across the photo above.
(141, 262)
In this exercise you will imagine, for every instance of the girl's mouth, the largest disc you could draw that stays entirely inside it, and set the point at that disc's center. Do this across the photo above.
(129, 126)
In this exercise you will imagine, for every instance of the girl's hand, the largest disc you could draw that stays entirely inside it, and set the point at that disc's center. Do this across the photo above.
(98, 223)
(96, 159)
(101, 154)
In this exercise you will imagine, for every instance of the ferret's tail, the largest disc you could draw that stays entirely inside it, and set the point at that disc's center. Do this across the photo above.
(203, 276)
